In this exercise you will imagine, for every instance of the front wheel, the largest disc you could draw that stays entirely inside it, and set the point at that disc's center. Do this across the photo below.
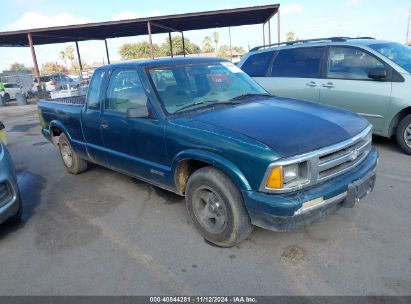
(6, 97)
(403, 134)
(71, 160)
(216, 207)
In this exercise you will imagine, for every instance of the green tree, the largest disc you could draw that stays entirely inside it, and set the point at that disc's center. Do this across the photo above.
(207, 48)
(63, 57)
(69, 50)
(17, 67)
(75, 67)
(216, 38)
(51, 67)
(224, 51)
(191, 48)
(138, 50)
(291, 36)
(67, 54)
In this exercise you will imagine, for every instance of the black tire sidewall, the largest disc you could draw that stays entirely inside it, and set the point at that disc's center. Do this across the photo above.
(232, 199)
(404, 123)
(6, 97)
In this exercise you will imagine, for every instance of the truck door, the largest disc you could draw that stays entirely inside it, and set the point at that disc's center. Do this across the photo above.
(133, 145)
(91, 119)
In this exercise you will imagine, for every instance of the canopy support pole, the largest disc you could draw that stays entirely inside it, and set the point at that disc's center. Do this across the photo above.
(408, 27)
(34, 58)
(231, 47)
(184, 46)
(150, 39)
(278, 26)
(171, 44)
(263, 34)
(108, 55)
(79, 58)
(269, 31)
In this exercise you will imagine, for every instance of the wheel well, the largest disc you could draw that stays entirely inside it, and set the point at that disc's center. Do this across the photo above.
(55, 131)
(55, 134)
(183, 172)
(397, 119)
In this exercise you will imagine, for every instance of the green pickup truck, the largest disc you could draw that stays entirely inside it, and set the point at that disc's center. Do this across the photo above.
(202, 128)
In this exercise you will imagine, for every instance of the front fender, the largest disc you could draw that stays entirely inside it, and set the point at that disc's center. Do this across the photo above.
(215, 160)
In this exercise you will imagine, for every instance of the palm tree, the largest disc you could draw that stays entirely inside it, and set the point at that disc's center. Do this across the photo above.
(63, 56)
(69, 50)
(207, 48)
(216, 38)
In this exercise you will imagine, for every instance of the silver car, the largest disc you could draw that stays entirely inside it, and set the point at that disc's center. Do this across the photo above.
(10, 202)
(367, 76)
(57, 82)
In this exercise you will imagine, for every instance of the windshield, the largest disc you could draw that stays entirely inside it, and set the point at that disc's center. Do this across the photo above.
(399, 53)
(190, 86)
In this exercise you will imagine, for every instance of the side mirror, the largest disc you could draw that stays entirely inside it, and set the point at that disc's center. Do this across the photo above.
(138, 112)
(377, 74)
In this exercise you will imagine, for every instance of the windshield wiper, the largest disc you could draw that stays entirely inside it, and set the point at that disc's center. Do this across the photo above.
(195, 104)
(218, 102)
(249, 95)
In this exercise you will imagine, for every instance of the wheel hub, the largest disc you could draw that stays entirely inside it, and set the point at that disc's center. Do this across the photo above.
(407, 135)
(214, 207)
(210, 210)
(67, 155)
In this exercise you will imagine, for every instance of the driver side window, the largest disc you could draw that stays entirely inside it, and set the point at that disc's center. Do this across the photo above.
(124, 91)
(351, 63)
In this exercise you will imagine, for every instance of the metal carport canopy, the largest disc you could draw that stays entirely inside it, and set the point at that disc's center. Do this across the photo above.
(136, 27)
(141, 26)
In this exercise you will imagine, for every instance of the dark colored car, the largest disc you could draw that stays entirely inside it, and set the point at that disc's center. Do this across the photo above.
(204, 129)
(10, 203)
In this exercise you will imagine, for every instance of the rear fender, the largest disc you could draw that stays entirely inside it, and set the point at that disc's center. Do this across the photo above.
(57, 124)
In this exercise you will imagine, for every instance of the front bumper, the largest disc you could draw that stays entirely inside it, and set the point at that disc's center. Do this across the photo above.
(284, 212)
(9, 196)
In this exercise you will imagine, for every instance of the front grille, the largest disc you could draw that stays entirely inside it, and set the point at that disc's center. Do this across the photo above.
(325, 163)
(338, 161)
(5, 193)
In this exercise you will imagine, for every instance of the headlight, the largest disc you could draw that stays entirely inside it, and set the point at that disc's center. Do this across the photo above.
(287, 176)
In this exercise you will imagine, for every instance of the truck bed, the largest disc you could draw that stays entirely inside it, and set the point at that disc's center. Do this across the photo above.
(63, 113)
(74, 100)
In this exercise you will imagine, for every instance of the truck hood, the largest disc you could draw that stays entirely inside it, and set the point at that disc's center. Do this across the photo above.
(288, 126)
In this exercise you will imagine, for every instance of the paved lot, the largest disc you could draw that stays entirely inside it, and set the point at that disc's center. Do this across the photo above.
(103, 233)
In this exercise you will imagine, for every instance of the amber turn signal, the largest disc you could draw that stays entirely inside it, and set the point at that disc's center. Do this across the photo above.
(275, 179)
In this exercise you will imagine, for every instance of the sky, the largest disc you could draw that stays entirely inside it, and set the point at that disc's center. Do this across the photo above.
(307, 19)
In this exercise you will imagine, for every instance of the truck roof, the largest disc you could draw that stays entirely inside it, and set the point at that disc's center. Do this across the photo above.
(165, 62)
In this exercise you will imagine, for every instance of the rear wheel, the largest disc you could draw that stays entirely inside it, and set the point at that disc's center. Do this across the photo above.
(403, 134)
(216, 207)
(71, 160)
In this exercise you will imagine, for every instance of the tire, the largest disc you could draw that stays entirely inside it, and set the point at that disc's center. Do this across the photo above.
(403, 134)
(6, 97)
(71, 160)
(216, 208)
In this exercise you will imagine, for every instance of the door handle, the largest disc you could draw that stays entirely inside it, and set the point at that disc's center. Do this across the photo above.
(104, 124)
(329, 85)
(311, 84)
